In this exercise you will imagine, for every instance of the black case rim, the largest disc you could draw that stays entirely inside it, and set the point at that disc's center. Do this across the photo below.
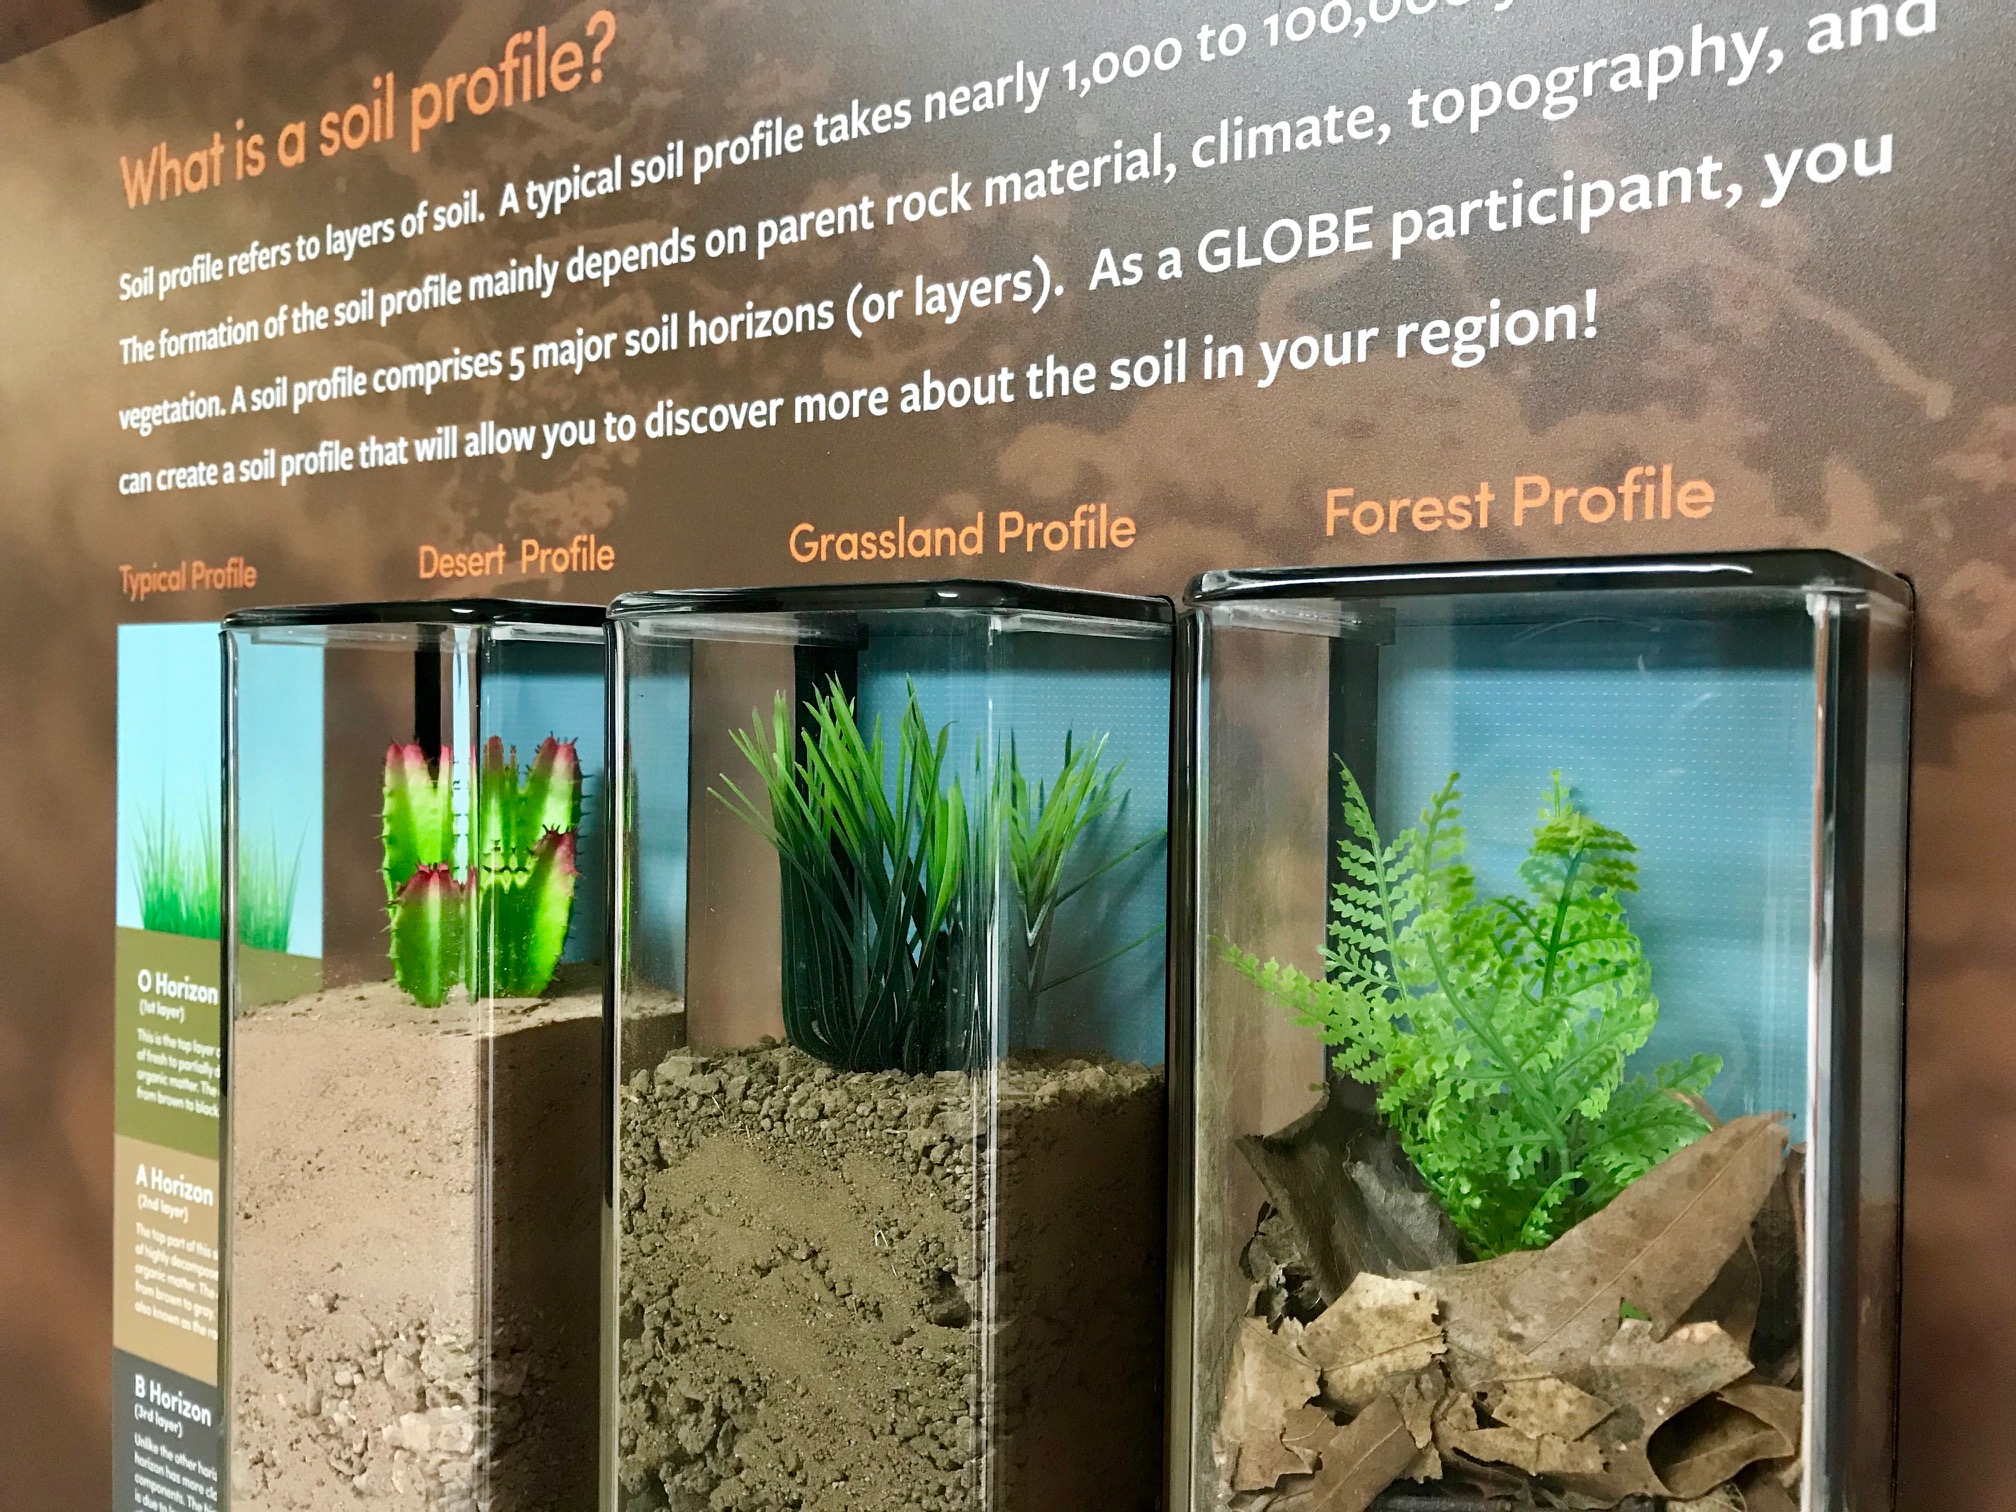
(1790, 568)
(431, 612)
(924, 593)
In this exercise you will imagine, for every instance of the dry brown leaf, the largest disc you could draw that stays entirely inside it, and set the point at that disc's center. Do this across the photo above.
(1543, 1455)
(1734, 1296)
(1547, 1406)
(1274, 1260)
(1575, 1395)
(1764, 1492)
(1338, 1177)
(1650, 1380)
(1425, 1466)
(1660, 1377)
(1413, 1229)
(1710, 1444)
(1485, 1478)
(1304, 1434)
(1473, 1318)
(1783, 1409)
(1454, 1417)
(1726, 1499)
(1381, 1327)
(1501, 1446)
(1361, 1459)
(1658, 1245)
(1562, 1459)
(1418, 1396)
(1777, 1238)
(1795, 1186)
(1267, 1380)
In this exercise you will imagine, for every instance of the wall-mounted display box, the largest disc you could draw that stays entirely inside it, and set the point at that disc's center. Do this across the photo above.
(1543, 1146)
(413, 1060)
(887, 1213)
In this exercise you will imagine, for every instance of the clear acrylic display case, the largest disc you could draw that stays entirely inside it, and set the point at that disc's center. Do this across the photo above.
(413, 1060)
(1543, 1146)
(888, 1218)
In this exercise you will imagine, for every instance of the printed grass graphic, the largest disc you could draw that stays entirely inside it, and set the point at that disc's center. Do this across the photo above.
(267, 884)
(179, 875)
(499, 930)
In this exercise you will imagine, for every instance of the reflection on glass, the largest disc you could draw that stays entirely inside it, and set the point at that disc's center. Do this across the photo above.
(413, 1063)
(1545, 1120)
(890, 1003)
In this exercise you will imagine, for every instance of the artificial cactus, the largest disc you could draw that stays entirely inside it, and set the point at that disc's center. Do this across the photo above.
(525, 875)
(520, 886)
(429, 934)
(419, 818)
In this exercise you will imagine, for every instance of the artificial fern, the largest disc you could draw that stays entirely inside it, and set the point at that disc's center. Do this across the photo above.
(1497, 1030)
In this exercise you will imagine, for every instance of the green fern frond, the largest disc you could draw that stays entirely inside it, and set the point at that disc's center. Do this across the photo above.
(1497, 1031)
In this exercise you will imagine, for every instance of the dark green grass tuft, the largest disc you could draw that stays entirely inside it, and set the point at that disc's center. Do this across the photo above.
(886, 885)
(875, 887)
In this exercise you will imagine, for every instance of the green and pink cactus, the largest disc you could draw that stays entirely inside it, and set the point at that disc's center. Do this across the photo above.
(500, 931)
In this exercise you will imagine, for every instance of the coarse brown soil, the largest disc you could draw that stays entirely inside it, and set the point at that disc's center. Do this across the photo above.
(388, 1347)
(810, 1318)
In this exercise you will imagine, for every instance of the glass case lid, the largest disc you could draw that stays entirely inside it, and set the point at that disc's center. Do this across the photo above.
(444, 611)
(425, 620)
(1791, 571)
(869, 598)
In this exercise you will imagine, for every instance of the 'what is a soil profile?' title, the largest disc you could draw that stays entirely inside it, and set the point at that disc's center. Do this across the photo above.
(532, 65)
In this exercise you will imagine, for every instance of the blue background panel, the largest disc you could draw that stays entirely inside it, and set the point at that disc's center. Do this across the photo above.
(535, 689)
(659, 712)
(280, 702)
(1693, 737)
(170, 739)
(170, 745)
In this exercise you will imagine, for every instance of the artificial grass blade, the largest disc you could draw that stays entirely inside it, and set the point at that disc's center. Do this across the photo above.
(887, 876)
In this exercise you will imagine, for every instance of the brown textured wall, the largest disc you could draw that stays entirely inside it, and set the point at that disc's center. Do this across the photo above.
(26, 25)
(1843, 370)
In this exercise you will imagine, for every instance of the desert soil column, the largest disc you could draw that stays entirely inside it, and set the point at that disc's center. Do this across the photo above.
(410, 1101)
